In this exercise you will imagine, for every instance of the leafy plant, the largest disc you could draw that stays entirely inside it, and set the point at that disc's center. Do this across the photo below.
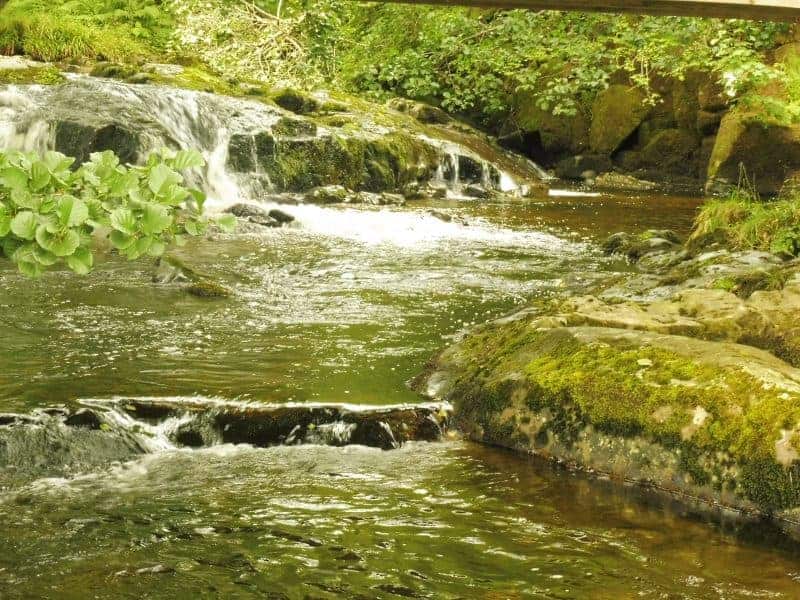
(51, 214)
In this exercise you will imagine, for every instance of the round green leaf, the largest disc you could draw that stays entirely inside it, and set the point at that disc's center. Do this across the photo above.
(81, 262)
(23, 225)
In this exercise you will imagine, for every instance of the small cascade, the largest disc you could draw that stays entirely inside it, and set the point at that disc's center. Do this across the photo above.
(60, 442)
(252, 149)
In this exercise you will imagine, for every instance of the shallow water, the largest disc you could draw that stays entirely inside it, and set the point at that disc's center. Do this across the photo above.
(344, 307)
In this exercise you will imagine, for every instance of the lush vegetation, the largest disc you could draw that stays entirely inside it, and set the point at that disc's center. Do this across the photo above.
(744, 222)
(66, 30)
(51, 214)
(466, 60)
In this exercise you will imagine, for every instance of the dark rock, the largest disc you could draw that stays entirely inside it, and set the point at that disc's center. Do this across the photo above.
(576, 167)
(672, 151)
(141, 78)
(296, 101)
(442, 216)
(256, 215)
(770, 153)
(280, 216)
(708, 122)
(85, 418)
(80, 140)
(616, 113)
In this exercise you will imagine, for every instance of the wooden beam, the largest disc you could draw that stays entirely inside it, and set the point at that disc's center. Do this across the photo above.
(766, 10)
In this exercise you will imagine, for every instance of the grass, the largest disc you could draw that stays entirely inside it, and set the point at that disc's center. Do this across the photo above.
(85, 30)
(745, 223)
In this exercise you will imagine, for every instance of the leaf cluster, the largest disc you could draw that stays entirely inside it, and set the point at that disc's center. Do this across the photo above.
(52, 214)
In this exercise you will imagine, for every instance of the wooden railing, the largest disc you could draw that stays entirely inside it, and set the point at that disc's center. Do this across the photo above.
(768, 10)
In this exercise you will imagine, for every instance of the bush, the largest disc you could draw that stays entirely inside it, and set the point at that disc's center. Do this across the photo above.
(50, 214)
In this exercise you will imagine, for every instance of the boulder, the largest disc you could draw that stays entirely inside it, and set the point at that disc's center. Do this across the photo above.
(255, 214)
(622, 182)
(635, 246)
(769, 151)
(329, 194)
(713, 421)
(672, 151)
(558, 135)
(616, 113)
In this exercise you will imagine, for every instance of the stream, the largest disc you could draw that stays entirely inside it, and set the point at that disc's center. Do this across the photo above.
(343, 306)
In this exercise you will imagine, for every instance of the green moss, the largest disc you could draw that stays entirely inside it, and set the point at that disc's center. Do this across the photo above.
(38, 75)
(638, 391)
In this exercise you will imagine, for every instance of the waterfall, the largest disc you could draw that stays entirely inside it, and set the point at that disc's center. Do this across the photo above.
(237, 136)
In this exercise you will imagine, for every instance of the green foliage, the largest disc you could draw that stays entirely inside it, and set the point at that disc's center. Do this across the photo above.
(87, 29)
(744, 223)
(50, 214)
(478, 61)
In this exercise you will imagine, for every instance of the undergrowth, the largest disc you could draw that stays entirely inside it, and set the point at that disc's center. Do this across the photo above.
(80, 30)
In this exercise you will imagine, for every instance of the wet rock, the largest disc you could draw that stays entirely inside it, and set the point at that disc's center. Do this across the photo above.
(575, 167)
(542, 385)
(141, 78)
(636, 246)
(424, 113)
(329, 194)
(281, 217)
(208, 289)
(85, 418)
(442, 216)
(257, 215)
(80, 139)
(155, 570)
(476, 191)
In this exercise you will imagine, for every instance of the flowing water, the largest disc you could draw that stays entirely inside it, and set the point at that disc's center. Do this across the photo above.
(343, 306)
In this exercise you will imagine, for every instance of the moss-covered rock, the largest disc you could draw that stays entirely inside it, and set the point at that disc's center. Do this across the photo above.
(768, 152)
(716, 421)
(42, 75)
(559, 135)
(672, 151)
(616, 113)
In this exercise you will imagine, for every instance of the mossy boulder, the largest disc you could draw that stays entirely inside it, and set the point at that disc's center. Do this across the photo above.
(715, 421)
(616, 113)
(766, 151)
(559, 135)
(299, 164)
(672, 151)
